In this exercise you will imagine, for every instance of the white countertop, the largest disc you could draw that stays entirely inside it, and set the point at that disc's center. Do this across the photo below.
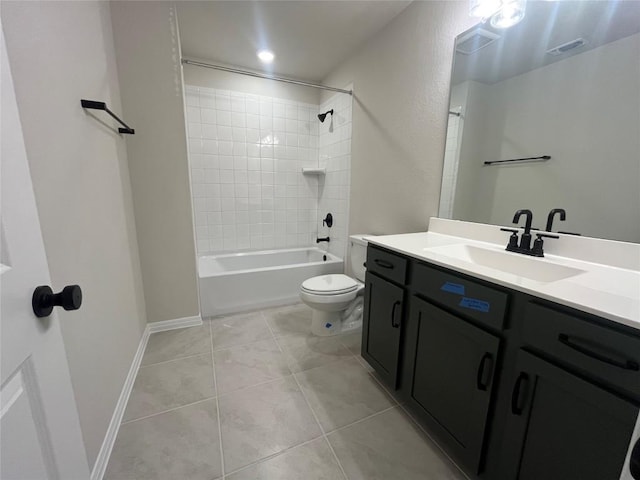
(607, 291)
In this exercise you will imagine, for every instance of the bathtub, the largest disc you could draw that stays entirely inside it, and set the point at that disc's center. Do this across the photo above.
(238, 282)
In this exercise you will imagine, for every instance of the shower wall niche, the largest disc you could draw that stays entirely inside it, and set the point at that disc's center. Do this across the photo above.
(246, 156)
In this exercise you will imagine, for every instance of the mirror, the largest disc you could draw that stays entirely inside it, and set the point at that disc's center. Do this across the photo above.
(563, 83)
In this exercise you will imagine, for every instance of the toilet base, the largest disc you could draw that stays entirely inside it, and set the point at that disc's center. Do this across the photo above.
(325, 324)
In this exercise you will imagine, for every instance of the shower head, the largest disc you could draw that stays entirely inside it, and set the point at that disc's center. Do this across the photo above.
(322, 116)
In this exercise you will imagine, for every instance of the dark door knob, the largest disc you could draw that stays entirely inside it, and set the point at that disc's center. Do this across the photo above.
(43, 300)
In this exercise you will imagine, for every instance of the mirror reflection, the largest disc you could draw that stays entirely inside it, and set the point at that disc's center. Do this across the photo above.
(564, 84)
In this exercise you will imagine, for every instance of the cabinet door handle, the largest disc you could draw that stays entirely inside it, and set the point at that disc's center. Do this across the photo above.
(383, 263)
(517, 405)
(393, 314)
(482, 382)
(634, 461)
(578, 345)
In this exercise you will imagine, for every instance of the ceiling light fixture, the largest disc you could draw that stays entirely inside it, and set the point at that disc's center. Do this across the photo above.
(503, 13)
(266, 56)
(512, 12)
(484, 8)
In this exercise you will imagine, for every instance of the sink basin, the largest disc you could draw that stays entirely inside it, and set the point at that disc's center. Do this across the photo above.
(517, 264)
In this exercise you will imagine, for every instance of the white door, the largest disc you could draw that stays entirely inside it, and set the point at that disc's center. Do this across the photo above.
(40, 433)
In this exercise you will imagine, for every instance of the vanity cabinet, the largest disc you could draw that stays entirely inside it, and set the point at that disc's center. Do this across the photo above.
(451, 380)
(571, 414)
(606, 355)
(383, 313)
(512, 386)
(383, 309)
(561, 427)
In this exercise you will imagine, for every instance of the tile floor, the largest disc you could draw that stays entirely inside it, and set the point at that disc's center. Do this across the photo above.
(256, 397)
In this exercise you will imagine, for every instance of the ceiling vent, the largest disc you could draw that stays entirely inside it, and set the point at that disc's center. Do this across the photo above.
(565, 47)
(475, 40)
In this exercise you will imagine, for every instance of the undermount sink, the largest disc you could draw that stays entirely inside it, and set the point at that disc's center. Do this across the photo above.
(514, 263)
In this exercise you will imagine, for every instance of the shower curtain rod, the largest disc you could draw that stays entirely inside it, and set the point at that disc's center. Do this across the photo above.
(263, 75)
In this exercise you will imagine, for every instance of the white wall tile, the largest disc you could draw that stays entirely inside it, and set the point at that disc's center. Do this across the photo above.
(223, 118)
(223, 102)
(208, 115)
(225, 147)
(247, 154)
(252, 106)
(207, 100)
(266, 107)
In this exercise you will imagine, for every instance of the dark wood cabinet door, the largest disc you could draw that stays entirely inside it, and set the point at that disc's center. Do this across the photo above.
(561, 427)
(383, 312)
(451, 379)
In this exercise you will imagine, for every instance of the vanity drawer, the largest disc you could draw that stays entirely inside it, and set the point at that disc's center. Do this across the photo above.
(470, 299)
(598, 351)
(386, 264)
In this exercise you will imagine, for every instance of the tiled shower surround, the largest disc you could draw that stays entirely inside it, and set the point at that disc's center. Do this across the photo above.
(246, 155)
(335, 157)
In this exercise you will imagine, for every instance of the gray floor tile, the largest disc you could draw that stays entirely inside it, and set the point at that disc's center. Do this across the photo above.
(239, 330)
(247, 365)
(288, 320)
(308, 351)
(182, 443)
(264, 420)
(312, 461)
(173, 344)
(390, 446)
(343, 392)
(171, 384)
(353, 341)
(365, 364)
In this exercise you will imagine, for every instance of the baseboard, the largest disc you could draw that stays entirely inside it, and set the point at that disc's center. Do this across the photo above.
(112, 432)
(237, 309)
(174, 323)
(102, 461)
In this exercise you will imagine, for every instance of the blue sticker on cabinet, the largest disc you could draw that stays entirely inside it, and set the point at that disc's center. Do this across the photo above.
(475, 304)
(451, 287)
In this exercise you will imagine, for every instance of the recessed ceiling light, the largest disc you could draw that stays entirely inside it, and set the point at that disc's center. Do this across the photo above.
(266, 56)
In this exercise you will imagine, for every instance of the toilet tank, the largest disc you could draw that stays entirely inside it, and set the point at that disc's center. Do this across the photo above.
(358, 254)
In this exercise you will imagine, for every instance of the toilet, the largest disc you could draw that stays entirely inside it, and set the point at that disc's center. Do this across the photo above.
(337, 300)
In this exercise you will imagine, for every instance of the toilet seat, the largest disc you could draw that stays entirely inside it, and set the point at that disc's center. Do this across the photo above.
(335, 284)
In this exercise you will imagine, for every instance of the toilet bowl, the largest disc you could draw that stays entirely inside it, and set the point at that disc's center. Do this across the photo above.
(337, 300)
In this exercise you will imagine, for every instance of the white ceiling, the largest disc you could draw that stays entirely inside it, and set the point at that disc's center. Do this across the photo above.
(546, 25)
(309, 38)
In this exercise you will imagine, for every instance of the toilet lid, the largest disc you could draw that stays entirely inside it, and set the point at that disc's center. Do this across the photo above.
(330, 284)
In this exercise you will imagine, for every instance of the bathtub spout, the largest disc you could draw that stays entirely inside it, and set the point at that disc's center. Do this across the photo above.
(325, 239)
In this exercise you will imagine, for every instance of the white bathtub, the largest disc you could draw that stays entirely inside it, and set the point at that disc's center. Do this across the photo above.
(237, 282)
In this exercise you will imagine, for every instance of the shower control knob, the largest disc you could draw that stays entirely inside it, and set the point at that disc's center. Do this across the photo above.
(43, 300)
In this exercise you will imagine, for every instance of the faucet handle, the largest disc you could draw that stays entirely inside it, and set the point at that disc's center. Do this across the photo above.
(537, 251)
(513, 239)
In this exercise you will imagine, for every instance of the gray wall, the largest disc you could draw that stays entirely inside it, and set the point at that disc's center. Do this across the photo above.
(61, 52)
(474, 179)
(150, 81)
(592, 138)
(401, 84)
